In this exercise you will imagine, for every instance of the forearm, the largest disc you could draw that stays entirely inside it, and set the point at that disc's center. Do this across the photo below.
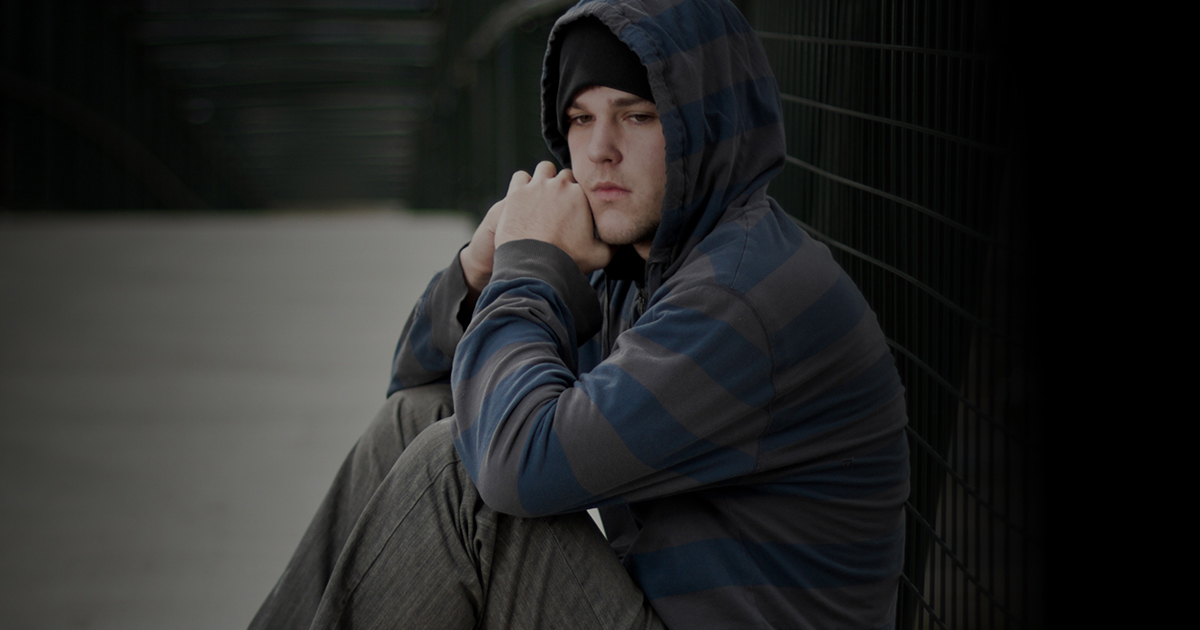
(519, 355)
(432, 333)
(540, 437)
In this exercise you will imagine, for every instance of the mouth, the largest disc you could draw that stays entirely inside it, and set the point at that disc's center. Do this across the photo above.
(608, 191)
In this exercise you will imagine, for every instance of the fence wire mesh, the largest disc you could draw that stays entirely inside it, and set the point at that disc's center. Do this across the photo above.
(902, 125)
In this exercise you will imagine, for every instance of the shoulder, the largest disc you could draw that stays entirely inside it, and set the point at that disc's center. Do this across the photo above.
(789, 282)
(760, 254)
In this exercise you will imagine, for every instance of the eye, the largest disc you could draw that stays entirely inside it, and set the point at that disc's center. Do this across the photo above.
(641, 118)
(579, 119)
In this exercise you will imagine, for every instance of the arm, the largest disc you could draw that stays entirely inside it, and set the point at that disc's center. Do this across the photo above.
(431, 336)
(435, 326)
(664, 414)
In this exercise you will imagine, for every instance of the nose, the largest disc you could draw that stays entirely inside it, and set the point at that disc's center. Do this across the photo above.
(603, 146)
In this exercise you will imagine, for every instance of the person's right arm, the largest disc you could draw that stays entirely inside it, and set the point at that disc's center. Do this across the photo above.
(436, 324)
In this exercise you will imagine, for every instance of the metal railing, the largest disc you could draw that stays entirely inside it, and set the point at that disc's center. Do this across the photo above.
(84, 122)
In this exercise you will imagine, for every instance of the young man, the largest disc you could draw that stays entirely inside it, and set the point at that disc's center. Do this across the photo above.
(644, 331)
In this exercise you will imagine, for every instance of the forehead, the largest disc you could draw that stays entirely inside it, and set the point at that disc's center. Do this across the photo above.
(597, 96)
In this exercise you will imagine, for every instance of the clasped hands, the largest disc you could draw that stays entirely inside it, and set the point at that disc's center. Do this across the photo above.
(546, 206)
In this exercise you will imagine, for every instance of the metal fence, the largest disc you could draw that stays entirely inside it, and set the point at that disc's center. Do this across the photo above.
(903, 118)
(485, 118)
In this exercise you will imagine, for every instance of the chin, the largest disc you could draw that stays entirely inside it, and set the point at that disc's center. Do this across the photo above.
(628, 236)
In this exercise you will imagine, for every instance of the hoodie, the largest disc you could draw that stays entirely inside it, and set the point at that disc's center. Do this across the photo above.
(730, 405)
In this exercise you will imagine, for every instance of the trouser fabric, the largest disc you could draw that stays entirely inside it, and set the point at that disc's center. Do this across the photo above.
(403, 540)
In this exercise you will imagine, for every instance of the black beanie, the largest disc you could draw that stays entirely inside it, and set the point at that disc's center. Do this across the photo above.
(592, 55)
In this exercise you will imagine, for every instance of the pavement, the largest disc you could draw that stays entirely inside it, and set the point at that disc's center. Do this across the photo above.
(176, 393)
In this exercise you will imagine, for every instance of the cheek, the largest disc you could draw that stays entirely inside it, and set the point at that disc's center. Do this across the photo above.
(578, 150)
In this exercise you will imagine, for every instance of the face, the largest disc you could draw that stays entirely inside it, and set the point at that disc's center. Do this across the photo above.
(618, 155)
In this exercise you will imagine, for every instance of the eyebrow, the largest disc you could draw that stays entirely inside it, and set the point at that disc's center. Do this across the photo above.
(624, 101)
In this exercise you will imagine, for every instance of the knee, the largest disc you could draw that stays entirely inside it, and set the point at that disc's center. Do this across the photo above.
(408, 412)
(435, 445)
(432, 459)
(418, 407)
(430, 398)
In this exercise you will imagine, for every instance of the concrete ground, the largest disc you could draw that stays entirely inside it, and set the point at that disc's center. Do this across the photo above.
(175, 395)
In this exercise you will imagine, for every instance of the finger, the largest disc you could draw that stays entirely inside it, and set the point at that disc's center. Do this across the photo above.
(495, 211)
(568, 175)
(493, 215)
(544, 169)
(519, 178)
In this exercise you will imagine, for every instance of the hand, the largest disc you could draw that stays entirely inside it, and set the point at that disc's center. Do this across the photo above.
(476, 257)
(552, 208)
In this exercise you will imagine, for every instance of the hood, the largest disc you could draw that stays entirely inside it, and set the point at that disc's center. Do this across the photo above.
(718, 103)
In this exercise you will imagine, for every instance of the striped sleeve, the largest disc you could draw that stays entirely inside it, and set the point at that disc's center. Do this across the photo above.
(431, 335)
(664, 414)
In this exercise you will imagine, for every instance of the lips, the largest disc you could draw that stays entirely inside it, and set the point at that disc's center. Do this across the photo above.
(608, 191)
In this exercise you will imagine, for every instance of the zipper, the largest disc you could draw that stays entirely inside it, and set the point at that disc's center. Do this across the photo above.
(604, 326)
(640, 306)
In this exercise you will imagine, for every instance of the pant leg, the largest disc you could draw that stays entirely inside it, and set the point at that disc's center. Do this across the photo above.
(426, 552)
(294, 600)
(560, 572)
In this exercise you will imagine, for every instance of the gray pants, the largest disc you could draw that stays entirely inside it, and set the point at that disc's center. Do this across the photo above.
(403, 540)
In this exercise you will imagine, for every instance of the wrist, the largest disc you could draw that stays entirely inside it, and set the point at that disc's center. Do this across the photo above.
(475, 274)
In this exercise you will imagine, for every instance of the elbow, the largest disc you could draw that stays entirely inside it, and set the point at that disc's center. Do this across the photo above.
(525, 495)
(524, 473)
(500, 493)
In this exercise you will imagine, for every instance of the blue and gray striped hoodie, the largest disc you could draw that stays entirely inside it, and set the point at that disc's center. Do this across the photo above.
(731, 405)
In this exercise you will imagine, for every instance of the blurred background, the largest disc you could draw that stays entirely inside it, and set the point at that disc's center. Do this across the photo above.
(216, 214)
